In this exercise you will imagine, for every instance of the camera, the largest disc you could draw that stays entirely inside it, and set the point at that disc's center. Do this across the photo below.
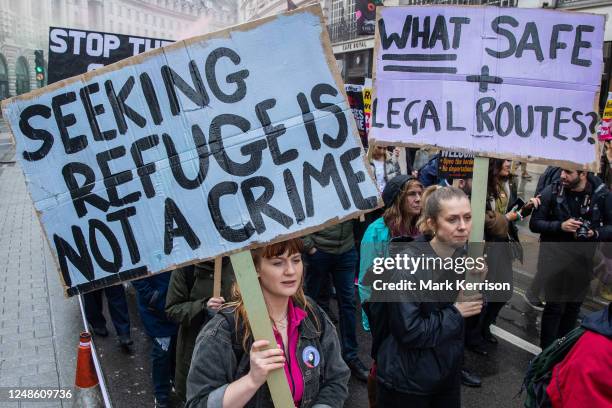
(582, 233)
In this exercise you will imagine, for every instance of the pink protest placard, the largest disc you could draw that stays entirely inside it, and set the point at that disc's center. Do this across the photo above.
(509, 83)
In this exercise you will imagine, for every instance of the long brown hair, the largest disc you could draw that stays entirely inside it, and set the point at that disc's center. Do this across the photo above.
(292, 246)
(396, 216)
(495, 168)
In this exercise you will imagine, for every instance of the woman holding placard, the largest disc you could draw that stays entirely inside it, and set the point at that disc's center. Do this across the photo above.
(419, 359)
(229, 369)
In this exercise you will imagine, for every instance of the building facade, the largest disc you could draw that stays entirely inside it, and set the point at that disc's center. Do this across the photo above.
(24, 27)
(249, 10)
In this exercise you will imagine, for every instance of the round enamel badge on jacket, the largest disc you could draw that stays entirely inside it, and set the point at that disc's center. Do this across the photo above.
(311, 357)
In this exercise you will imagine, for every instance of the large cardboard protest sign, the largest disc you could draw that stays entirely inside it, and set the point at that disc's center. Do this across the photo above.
(73, 52)
(501, 82)
(198, 149)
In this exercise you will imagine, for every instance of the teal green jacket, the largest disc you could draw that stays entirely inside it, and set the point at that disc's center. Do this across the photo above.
(374, 244)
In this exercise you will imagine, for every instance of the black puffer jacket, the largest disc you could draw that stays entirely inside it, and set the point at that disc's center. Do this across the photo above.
(423, 349)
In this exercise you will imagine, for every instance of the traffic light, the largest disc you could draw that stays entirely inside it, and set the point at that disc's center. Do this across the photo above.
(39, 65)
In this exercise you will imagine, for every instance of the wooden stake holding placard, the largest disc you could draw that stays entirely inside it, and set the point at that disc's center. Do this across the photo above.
(217, 277)
(257, 312)
(480, 178)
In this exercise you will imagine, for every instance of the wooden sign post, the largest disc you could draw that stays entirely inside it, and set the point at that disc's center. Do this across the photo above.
(478, 201)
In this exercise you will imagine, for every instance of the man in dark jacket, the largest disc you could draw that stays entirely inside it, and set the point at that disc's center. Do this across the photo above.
(151, 293)
(189, 303)
(332, 252)
(575, 213)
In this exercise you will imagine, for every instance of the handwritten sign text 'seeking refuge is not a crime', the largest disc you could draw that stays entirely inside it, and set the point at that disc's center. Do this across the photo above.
(191, 151)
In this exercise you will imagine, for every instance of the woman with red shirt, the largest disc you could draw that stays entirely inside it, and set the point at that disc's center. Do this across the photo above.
(229, 369)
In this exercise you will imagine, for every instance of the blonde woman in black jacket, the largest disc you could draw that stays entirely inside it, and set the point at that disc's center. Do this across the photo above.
(419, 360)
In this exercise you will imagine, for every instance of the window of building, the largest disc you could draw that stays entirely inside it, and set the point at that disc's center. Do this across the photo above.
(4, 84)
(22, 76)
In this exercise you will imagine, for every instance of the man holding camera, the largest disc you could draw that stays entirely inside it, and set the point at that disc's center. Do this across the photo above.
(575, 213)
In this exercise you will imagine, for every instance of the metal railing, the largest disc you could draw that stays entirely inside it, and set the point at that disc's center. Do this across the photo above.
(582, 3)
(346, 29)
(342, 31)
(500, 3)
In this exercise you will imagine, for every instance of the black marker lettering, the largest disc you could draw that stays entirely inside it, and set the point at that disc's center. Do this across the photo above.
(123, 216)
(519, 121)
(273, 133)
(449, 119)
(583, 128)
(439, 33)
(177, 166)
(122, 109)
(93, 111)
(326, 89)
(482, 117)
(151, 97)
(353, 179)
(114, 265)
(457, 21)
(328, 173)
(253, 149)
(174, 216)
(294, 196)
(36, 134)
(374, 122)
(544, 110)
(413, 123)
(559, 121)
(258, 206)
(144, 170)
(430, 112)
(555, 44)
(80, 257)
(196, 94)
(425, 34)
(309, 122)
(578, 44)
(495, 24)
(391, 112)
(227, 232)
(504, 106)
(71, 144)
(82, 194)
(112, 180)
(400, 42)
(235, 78)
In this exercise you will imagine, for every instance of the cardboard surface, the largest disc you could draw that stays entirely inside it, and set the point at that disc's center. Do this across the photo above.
(501, 82)
(202, 148)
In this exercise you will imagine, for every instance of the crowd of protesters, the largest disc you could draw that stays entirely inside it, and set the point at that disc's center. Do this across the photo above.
(203, 347)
